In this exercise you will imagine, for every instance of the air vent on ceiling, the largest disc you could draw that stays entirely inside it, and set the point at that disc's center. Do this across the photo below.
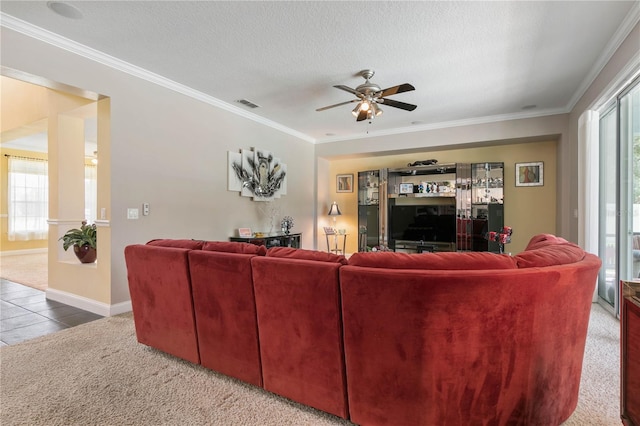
(247, 103)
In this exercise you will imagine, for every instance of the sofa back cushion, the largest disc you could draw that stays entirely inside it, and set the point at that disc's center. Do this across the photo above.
(292, 253)
(184, 243)
(160, 289)
(224, 305)
(299, 327)
(234, 247)
(548, 250)
(433, 261)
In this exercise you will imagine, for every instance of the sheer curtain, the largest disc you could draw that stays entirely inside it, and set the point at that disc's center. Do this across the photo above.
(28, 199)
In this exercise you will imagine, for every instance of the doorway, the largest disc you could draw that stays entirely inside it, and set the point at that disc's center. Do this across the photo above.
(32, 110)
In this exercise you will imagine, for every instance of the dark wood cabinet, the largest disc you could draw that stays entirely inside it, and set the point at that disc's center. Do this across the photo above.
(277, 240)
(630, 353)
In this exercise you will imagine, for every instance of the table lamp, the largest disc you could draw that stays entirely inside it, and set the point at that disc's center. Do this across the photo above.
(334, 211)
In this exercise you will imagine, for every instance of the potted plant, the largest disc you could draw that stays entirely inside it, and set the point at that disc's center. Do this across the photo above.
(84, 242)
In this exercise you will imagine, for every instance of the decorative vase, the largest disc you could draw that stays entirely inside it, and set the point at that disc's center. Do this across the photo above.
(286, 225)
(85, 253)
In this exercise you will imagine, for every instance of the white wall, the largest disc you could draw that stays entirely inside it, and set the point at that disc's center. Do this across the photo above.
(171, 151)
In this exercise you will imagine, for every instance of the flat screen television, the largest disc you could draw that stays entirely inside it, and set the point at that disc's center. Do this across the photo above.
(422, 223)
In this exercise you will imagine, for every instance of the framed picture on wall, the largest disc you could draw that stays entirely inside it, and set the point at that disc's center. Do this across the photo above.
(344, 183)
(244, 232)
(530, 174)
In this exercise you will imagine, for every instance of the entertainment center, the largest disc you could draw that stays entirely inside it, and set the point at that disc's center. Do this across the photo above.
(435, 207)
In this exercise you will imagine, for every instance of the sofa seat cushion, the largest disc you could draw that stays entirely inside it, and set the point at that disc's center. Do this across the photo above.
(433, 261)
(234, 247)
(184, 243)
(293, 253)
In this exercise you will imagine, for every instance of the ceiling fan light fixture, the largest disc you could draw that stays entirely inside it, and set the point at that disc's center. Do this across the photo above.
(369, 95)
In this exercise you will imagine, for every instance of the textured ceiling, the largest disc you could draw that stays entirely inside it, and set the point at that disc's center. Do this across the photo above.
(469, 61)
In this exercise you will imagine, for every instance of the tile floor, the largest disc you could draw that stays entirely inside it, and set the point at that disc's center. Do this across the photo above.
(27, 314)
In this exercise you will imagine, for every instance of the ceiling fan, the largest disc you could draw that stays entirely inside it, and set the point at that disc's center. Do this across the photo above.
(370, 96)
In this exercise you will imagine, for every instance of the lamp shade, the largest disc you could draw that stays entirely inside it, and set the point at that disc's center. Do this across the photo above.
(334, 210)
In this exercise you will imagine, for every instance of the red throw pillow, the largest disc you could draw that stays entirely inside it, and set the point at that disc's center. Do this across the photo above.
(434, 261)
(293, 253)
(542, 240)
(549, 255)
(187, 244)
(234, 247)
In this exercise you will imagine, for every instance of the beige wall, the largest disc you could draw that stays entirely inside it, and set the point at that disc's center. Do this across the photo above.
(21, 104)
(170, 150)
(528, 210)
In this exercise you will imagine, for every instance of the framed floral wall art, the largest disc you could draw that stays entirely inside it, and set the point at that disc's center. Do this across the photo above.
(344, 183)
(530, 174)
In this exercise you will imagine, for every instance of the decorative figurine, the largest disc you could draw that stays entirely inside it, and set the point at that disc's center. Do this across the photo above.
(286, 224)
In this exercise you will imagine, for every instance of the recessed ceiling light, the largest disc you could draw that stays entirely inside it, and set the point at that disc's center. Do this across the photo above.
(65, 9)
(529, 107)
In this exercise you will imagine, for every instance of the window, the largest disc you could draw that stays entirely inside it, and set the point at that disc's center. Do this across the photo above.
(28, 199)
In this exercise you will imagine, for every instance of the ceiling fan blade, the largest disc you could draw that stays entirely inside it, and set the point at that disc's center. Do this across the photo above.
(348, 89)
(335, 105)
(362, 115)
(397, 104)
(406, 87)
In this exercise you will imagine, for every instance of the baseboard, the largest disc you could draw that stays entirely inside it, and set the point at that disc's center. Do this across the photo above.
(87, 304)
(27, 251)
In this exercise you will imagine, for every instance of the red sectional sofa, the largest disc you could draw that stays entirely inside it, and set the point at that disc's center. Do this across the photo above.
(383, 338)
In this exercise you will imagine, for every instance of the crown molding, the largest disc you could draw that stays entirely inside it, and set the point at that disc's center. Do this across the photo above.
(64, 43)
(448, 124)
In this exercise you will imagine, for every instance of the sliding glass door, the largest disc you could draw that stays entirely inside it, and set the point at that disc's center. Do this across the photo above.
(619, 193)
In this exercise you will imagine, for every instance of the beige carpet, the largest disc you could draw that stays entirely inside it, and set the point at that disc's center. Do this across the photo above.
(27, 269)
(98, 374)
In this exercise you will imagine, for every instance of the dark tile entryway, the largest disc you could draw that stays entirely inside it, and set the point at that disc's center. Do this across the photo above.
(26, 314)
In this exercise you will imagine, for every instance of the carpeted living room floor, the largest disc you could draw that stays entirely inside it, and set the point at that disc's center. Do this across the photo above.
(26, 269)
(97, 373)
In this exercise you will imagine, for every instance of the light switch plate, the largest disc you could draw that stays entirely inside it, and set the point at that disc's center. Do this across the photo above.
(132, 213)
